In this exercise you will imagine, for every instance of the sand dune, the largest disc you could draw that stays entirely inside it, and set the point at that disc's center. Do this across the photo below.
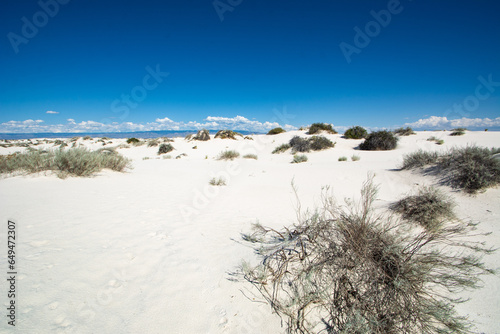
(151, 250)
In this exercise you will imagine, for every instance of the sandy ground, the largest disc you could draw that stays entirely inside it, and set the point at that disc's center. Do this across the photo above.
(152, 250)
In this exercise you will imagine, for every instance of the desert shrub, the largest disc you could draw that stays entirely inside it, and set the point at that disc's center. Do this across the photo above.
(319, 143)
(74, 139)
(250, 156)
(346, 269)
(165, 148)
(429, 208)
(227, 134)
(356, 132)
(419, 159)
(342, 158)
(282, 148)
(470, 168)
(153, 142)
(318, 127)
(217, 181)
(74, 162)
(228, 155)
(298, 158)
(439, 142)
(380, 140)
(276, 131)
(355, 158)
(133, 141)
(404, 131)
(87, 138)
(458, 132)
(168, 156)
(299, 144)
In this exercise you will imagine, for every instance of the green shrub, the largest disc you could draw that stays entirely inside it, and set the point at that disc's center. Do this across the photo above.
(153, 142)
(343, 159)
(87, 138)
(419, 159)
(72, 162)
(165, 148)
(318, 143)
(250, 156)
(282, 148)
(470, 168)
(300, 144)
(356, 132)
(318, 127)
(133, 141)
(404, 131)
(355, 158)
(458, 132)
(379, 141)
(228, 155)
(298, 158)
(276, 131)
(346, 269)
(227, 134)
(429, 208)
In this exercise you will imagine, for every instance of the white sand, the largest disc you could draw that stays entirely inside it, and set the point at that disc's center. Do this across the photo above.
(150, 250)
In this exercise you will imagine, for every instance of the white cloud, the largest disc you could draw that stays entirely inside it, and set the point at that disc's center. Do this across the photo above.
(51, 112)
(211, 123)
(443, 122)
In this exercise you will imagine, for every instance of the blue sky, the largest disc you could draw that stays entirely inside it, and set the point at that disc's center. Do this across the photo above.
(73, 65)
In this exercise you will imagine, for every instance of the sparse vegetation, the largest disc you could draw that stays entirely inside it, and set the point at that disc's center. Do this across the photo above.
(379, 141)
(276, 131)
(87, 138)
(227, 134)
(355, 158)
(342, 158)
(347, 269)
(356, 132)
(165, 148)
(298, 158)
(153, 142)
(250, 156)
(436, 140)
(299, 144)
(404, 131)
(429, 208)
(282, 148)
(318, 127)
(470, 168)
(71, 162)
(228, 155)
(217, 181)
(458, 132)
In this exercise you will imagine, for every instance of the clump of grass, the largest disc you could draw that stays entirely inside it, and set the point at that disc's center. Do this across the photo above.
(133, 141)
(165, 148)
(355, 158)
(227, 134)
(250, 156)
(379, 141)
(419, 159)
(458, 132)
(347, 269)
(356, 132)
(404, 131)
(217, 181)
(298, 158)
(319, 143)
(228, 155)
(87, 138)
(318, 127)
(71, 162)
(436, 140)
(153, 142)
(168, 156)
(429, 208)
(276, 131)
(470, 168)
(282, 148)
(342, 158)
(299, 144)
